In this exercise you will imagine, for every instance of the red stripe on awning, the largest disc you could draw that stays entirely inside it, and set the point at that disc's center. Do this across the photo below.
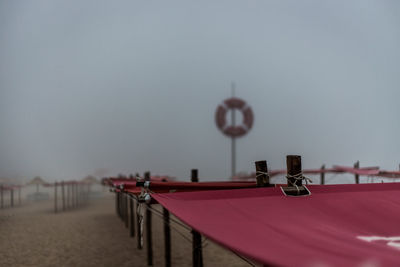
(166, 187)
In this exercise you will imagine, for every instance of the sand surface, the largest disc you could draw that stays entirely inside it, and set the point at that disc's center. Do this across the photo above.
(92, 235)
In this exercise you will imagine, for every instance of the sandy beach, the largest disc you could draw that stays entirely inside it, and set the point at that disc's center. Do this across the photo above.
(92, 235)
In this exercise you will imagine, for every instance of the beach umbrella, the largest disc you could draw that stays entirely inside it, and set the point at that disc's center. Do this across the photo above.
(90, 180)
(37, 181)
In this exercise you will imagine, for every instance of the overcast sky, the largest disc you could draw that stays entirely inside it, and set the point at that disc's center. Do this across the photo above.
(130, 86)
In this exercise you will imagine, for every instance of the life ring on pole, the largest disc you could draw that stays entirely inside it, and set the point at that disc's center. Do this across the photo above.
(232, 104)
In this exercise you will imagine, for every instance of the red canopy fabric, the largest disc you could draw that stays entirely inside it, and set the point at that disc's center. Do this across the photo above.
(166, 187)
(129, 184)
(338, 225)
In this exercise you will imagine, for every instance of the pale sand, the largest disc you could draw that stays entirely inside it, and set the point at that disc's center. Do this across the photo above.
(93, 235)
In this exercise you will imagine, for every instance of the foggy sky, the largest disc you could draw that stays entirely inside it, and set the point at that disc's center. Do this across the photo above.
(132, 86)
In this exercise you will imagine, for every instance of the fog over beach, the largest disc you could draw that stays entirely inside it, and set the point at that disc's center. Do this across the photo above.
(130, 86)
(93, 92)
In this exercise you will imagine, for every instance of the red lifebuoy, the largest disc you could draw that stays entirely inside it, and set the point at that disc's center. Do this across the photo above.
(231, 104)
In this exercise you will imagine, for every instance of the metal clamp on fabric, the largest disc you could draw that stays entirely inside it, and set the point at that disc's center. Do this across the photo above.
(295, 178)
(294, 187)
(293, 191)
(145, 184)
(144, 198)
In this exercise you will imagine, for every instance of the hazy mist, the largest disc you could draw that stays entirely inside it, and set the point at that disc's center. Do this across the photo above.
(130, 86)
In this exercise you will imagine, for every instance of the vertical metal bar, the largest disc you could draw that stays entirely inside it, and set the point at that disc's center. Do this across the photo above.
(323, 174)
(233, 159)
(89, 193)
(76, 194)
(68, 195)
(126, 210)
(55, 197)
(148, 229)
(132, 217)
(356, 176)
(117, 203)
(121, 204)
(138, 226)
(167, 238)
(12, 197)
(149, 236)
(197, 256)
(139, 234)
(233, 139)
(71, 196)
(1, 196)
(19, 195)
(63, 195)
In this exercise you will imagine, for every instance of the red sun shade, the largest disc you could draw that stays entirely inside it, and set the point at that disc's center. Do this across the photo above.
(338, 225)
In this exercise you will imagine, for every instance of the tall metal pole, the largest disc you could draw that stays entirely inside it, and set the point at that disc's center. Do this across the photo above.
(233, 144)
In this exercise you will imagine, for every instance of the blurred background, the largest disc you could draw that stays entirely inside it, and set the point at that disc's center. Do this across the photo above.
(106, 87)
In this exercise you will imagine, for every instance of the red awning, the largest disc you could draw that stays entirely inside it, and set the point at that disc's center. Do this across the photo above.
(369, 171)
(338, 225)
(389, 174)
(166, 187)
(364, 171)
